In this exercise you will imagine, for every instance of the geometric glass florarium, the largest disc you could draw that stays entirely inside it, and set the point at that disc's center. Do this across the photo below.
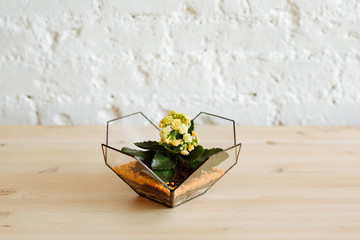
(215, 131)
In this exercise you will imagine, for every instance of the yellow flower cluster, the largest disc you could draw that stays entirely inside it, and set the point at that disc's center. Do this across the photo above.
(174, 131)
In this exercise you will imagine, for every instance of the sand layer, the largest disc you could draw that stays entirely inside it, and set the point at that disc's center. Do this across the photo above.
(139, 178)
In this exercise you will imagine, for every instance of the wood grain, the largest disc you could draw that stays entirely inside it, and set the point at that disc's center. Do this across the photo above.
(290, 183)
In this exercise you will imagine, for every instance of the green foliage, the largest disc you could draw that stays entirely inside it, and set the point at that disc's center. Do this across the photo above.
(208, 152)
(166, 175)
(174, 134)
(174, 151)
(145, 156)
(195, 163)
(191, 128)
(194, 154)
(163, 161)
(150, 145)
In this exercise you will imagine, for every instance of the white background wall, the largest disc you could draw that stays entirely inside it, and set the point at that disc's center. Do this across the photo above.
(261, 62)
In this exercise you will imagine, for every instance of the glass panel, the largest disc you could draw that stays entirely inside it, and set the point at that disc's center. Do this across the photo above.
(123, 132)
(206, 175)
(139, 177)
(214, 131)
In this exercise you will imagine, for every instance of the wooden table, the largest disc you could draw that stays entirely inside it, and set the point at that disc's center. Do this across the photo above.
(290, 183)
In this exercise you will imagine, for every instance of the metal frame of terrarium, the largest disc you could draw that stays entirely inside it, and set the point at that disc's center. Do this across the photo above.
(172, 203)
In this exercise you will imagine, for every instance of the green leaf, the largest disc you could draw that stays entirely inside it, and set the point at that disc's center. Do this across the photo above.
(166, 175)
(163, 161)
(145, 156)
(167, 147)
(191, 128)
(193, 164)
(209, 152)
(194, 154)
(150, 145)
(173, 134)
(204, 156)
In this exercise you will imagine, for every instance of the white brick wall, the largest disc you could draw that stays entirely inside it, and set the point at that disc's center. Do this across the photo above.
(261, 62)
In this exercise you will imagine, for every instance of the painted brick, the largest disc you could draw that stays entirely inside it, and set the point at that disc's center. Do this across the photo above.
(261, 62)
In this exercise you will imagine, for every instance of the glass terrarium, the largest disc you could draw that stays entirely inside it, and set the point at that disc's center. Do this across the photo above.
(215, 131)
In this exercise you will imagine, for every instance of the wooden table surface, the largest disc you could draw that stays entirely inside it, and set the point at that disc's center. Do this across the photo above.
(289, 183)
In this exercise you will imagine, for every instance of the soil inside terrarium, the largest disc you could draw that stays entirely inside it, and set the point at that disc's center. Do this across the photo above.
(142, 181)
(182, 173)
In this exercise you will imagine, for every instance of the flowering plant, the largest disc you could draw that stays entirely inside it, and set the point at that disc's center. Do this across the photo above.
(177, 133)
(177, 154)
